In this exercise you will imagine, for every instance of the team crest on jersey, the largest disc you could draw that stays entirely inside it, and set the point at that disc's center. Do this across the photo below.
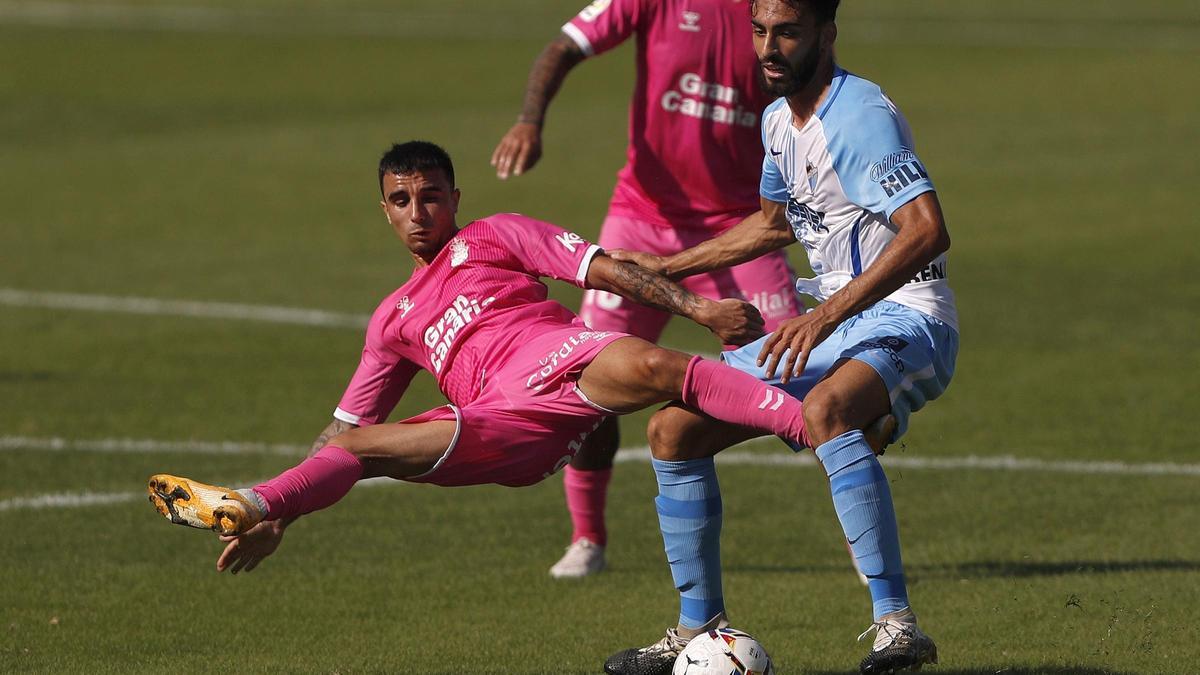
(458, 252)
(805, 219)
(690, 21)
(405, 306)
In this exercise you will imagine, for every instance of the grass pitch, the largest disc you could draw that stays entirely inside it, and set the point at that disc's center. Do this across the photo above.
(224, 151)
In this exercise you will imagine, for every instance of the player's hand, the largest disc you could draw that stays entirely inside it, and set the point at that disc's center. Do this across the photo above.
(795, 337)
(734, 321)
(246, 551)
(647, 260)
(518, 151)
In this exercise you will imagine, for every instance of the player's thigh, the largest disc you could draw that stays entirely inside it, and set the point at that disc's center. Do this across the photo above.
(912, 354)
(679, 432)
(765, 282)
(850, 396)
(398, 450)
(630, 374)
(820, 359)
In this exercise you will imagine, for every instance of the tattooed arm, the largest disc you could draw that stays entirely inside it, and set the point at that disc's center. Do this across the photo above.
(521, 147)
(733, 321)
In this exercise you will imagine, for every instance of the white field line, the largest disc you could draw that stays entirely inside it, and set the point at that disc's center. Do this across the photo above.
(198, 309)
(1006, 463)
(187, 308)
(1055, 30)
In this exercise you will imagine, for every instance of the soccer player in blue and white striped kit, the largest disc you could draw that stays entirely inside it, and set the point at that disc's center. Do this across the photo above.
(842, 177)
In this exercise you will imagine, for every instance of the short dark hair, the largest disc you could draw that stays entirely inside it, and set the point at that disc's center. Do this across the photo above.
(412, 156)
(825, 10)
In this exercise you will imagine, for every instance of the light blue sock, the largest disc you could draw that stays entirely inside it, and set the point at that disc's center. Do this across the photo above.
(863, 502)
(689, 515)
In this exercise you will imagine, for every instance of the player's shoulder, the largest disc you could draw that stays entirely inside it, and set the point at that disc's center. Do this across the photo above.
(855, 100)
(859, 117)
(498, 222)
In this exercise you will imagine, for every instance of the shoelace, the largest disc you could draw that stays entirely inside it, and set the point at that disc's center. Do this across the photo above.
(884, 633)
(671, 642)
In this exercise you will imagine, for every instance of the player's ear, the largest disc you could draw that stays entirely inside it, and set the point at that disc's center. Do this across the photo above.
(828, 36)
(383, 205)
(454, 196)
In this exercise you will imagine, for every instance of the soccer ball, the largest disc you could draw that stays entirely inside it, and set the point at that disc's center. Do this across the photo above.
(724, 651)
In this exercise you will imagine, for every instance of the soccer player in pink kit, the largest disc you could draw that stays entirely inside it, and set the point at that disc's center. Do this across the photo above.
(691, 172)
(527, 381)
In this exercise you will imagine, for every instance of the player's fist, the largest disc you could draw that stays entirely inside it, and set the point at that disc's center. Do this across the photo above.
(518, 150)
(734, 321)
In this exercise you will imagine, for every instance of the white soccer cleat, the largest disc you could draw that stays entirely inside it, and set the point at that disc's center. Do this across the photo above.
(899, 645)
(583, 558)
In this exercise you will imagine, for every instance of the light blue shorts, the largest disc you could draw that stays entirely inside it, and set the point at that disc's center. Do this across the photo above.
(914, 354)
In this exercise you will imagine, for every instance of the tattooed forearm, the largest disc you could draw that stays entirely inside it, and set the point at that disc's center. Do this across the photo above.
(335, 427)
(546, 76)
(640, 284)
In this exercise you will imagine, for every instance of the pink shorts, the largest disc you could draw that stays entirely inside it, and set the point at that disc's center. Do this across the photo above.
(766, 282)
(529, 419)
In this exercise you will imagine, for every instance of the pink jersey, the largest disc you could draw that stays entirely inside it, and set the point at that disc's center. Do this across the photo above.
(695, 152)
(464, 314)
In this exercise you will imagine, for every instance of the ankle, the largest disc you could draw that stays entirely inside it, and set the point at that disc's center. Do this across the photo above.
(718, 621)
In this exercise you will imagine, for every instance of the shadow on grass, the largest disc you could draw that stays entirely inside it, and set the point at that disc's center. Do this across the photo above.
(984, 569)
(1003, 670)
(1031, 568)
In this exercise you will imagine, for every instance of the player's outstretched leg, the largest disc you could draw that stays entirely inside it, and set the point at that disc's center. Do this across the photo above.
(317, 482)
(394, 450)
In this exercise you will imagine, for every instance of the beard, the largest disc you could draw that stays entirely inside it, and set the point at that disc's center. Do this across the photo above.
(798, 77)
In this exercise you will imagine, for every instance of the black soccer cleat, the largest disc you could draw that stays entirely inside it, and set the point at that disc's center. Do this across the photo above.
(657, 659)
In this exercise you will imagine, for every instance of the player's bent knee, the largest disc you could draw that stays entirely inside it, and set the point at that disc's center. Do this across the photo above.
(662, 369)
(824, 414)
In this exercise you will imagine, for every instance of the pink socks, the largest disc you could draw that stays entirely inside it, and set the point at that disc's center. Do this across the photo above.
(586, 493)
(730, 395)
(315, 483)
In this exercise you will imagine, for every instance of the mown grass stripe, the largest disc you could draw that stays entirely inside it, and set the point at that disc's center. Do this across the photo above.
(186, 308)
(1005, 463)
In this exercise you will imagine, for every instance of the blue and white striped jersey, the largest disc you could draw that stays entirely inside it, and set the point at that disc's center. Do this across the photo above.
(842, 176)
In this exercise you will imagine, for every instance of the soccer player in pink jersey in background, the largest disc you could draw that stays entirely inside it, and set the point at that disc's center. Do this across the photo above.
(691, 172)
(527, 381)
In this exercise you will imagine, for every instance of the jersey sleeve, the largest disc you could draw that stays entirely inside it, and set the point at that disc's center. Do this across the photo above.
(378, 383)
(873, 155)
(604, 24)
(542, 249)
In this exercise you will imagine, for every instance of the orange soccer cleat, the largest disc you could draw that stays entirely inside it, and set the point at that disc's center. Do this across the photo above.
(188, 502)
